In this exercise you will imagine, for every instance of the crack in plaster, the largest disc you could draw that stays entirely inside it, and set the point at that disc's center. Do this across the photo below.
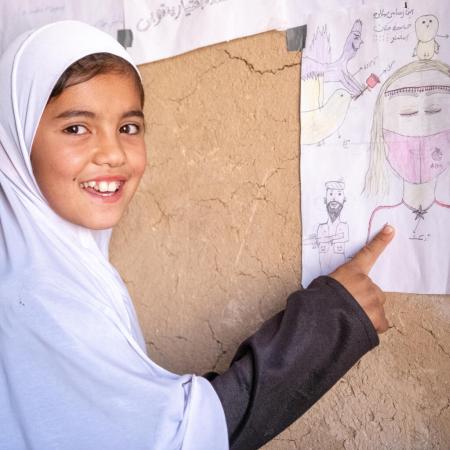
(255, 206)
(220, 347)
(444, 408)
(150, 344)
(214, 199)
(252, 68)
(291, 441)
(435, 338)
(197, 85)
(163, 215)
(394, 327)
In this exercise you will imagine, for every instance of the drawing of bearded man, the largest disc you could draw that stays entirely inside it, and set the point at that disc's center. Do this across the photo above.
(334, 208)
(333, 234)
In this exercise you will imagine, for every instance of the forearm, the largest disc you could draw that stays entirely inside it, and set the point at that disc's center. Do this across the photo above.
(291, 361)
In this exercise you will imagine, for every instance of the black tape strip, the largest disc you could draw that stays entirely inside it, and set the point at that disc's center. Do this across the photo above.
(296, 38)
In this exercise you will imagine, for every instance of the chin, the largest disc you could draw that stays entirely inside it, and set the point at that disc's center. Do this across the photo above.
(99, 223)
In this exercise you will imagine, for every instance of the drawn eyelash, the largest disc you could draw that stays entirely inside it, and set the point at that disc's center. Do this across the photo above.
(409, 114)
(433, 111)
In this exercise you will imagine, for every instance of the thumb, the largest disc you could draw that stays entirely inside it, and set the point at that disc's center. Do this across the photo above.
(368, 255)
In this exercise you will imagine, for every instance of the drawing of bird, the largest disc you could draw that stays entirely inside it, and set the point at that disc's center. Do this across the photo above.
(320, 117)
(317, 59)
(426, 30)
(320, 123)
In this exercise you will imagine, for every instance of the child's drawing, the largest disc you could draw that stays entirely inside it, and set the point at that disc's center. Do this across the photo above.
(411, 136)
(331, 235)
(411, 139)
(317, 60)
(321, 118)
(426, 29)
(394, 146)
(320, 123)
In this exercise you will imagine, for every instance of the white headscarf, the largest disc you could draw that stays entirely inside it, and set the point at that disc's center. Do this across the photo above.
(74, 373)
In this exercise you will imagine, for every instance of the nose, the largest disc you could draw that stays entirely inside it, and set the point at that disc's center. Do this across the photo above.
(109, 151)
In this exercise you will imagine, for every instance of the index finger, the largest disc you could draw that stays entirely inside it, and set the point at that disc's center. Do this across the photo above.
(368, 255)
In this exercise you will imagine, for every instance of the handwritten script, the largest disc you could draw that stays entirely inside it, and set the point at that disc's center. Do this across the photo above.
(393, 25)
(174, 11)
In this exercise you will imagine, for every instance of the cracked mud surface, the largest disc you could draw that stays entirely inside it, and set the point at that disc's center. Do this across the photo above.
(210, 247)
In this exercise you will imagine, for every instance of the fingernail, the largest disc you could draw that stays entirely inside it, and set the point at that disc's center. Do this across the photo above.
(388, 229)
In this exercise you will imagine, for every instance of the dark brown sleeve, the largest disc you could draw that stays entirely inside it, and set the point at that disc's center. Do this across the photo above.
(291, 361)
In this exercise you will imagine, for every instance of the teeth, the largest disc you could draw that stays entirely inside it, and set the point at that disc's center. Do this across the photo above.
(112, 187)
(102, 186)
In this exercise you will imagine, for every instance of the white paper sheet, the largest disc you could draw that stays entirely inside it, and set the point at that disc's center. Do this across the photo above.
(366, 162)
(166, 29)
(21, 15)
(177, 26)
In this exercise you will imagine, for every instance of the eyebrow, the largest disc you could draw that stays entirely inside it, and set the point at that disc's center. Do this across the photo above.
(415, 90)
(411, 91)
(72, 113)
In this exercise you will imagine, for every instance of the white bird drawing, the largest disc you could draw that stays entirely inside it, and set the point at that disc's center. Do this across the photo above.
(320, 123)
(320, 118)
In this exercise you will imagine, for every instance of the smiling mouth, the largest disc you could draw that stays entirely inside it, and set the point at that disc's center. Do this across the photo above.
(103, 189)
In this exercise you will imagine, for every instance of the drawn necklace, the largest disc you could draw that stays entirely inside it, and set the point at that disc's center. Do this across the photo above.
(419, 217)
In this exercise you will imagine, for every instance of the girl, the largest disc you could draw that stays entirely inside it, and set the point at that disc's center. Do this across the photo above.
(74, 369)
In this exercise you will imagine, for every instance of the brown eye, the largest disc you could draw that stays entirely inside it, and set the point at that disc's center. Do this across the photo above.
(75, 129)
(130, 128)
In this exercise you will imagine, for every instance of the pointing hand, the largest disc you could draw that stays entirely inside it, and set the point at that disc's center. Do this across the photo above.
(354, 276)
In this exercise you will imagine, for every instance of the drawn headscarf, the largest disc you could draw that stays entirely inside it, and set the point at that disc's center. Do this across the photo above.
(74, 372)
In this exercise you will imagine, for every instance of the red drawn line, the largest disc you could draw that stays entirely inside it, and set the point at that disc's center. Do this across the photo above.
(378, 208)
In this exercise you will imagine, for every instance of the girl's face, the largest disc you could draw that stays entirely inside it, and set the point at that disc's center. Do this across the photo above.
(88, 154)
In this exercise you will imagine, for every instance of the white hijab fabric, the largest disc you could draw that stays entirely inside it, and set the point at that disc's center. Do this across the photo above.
(74, 373)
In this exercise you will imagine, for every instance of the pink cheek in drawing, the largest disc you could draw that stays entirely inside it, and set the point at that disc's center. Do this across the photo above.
(418, 159)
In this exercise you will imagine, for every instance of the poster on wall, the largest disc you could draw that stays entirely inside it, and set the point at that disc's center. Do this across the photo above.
(152, 30)
(375, 141)
(161, 30)
(164, 29)
(19, 16)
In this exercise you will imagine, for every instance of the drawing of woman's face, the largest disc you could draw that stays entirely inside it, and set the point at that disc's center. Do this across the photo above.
(416, 125)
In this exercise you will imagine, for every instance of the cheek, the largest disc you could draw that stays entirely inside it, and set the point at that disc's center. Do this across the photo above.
(58, 168)
(55, 166)
(138, 161)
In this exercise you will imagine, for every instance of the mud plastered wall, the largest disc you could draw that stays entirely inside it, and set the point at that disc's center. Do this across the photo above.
(210, 248)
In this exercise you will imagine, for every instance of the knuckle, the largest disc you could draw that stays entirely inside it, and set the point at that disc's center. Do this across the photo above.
(379, 322)
(362, 277)
(367, 251)
(384, 325)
